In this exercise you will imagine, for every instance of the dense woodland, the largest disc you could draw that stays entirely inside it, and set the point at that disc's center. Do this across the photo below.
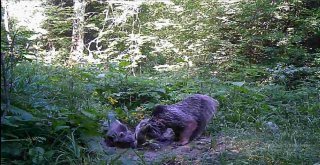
(259, 58)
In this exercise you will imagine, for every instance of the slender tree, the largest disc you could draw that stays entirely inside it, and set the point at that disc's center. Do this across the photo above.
(4, 65)
(78, 31)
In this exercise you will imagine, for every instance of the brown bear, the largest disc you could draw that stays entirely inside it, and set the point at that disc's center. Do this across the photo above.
(118, 135)
(187, 118)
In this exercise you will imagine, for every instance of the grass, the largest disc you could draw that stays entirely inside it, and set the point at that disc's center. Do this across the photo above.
(261, 147)
(67, 105)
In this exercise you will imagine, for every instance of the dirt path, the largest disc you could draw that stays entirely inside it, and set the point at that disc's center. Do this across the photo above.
(203, 150)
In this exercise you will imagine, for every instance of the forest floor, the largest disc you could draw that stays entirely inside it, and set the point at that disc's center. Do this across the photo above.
(232, 145)
(195, 152)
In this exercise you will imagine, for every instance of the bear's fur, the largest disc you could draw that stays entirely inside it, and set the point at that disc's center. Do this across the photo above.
(187, 118)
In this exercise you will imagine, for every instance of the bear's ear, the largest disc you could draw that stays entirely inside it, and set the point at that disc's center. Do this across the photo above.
(158, 110)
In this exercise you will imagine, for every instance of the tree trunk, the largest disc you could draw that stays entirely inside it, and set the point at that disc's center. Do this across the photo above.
(4, 66)
(78, 32)
(6, 19)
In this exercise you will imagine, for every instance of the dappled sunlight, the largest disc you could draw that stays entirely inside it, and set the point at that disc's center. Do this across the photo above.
(160, 82)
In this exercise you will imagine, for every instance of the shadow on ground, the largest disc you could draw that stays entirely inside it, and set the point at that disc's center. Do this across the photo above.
(204, 150)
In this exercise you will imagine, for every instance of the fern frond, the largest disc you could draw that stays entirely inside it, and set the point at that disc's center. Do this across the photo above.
(24, 115)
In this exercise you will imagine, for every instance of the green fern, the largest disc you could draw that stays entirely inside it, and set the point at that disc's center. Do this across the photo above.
(20, 113)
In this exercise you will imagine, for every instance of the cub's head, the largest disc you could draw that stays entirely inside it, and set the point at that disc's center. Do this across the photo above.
(121, 140)
(118, 135)
(148, 129)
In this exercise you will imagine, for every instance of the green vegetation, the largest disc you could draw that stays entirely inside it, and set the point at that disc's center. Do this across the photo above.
(259, 59)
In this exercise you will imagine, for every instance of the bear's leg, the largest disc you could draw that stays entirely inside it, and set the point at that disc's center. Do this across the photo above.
(196, 133)
(187, 132)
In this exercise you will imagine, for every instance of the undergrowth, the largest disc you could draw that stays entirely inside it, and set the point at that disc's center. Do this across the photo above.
(56, 114)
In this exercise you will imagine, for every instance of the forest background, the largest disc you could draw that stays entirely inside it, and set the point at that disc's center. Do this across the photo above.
(73, 62)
